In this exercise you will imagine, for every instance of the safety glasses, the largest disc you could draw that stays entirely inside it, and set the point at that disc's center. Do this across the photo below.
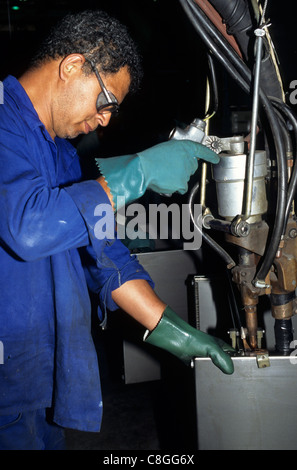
(106, 101)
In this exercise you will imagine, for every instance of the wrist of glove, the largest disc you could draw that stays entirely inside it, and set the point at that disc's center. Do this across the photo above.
(176, 336)
(165, 168)
(125, 178)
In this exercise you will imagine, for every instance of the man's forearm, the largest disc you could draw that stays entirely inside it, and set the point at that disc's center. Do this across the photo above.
(137, 298)
(167, 330)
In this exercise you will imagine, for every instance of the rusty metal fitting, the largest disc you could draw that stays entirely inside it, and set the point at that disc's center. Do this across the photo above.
(281, 312)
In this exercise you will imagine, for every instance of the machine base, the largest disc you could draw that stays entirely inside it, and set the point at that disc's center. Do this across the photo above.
(252, 409)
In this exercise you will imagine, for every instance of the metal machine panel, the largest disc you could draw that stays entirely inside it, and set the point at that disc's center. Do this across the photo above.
(252, 409)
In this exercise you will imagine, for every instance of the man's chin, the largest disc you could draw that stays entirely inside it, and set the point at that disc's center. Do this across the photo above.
(69, 136)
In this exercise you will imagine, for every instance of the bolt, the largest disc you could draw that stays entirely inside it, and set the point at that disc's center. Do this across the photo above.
(293, 233)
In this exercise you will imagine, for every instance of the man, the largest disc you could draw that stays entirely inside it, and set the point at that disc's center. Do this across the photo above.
(50, 254)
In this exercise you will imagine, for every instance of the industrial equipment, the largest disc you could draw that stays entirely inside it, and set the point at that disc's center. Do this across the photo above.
(255, 183)
(254, 186)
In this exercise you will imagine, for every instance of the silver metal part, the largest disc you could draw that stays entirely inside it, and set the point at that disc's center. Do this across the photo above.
(234, 145)
(238, 227)
(194, 131)
(254, 123)
(253, 409)
(263, 360)
(261, 284)
(229, 175)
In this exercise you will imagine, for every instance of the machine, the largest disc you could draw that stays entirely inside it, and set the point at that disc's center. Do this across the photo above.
(256, 178)
(255, 184)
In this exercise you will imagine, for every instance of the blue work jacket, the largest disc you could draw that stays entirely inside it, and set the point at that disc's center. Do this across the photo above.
(50, 257)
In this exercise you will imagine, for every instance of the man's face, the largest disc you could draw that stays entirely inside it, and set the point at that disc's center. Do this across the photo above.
(74, 105)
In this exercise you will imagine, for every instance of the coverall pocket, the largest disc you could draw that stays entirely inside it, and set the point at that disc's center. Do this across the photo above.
(9, 420)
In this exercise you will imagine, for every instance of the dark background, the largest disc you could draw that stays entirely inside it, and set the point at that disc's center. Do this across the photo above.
(174, 60)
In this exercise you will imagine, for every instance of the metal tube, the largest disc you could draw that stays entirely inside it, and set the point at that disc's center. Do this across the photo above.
(204, 165)
(203, 184)
(251, 155)
(252, 324)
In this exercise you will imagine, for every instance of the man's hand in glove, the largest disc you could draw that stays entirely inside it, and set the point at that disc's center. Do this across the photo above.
(165, 168)
(177, 337)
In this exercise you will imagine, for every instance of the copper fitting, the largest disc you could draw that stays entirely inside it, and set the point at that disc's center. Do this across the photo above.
(252, 325)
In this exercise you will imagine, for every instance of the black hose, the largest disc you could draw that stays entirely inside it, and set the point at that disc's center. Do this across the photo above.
(214, 42)
(238, 21)
(240, 24)
(283, 327)
(286, 134)
(234, 65)
(286, 110)
(283, 331)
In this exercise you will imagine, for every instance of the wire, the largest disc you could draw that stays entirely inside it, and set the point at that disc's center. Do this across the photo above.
(214, 245)
(214, 86)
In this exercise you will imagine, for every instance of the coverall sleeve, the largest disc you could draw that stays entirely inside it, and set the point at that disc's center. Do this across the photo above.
(105, 280)
(108, 263)
(37, 220)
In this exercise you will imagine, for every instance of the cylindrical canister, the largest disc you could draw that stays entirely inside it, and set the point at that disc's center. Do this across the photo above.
(229, 175)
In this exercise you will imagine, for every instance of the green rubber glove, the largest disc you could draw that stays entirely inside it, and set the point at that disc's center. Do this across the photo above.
(182, 340)
(165, 168)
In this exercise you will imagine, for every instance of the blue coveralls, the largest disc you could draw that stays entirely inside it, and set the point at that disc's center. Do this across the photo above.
(49, 257)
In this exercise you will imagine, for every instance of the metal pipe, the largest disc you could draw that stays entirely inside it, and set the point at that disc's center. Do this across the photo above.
(251, 155)
(203, 184)
(252, 324)
(204, 165)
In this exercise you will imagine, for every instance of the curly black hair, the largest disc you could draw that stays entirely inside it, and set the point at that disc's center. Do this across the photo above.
(99, 37)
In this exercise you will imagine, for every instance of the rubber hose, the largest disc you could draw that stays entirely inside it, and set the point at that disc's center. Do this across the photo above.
(238, 21)
(283, 330)
(284, 108)
(236, 15)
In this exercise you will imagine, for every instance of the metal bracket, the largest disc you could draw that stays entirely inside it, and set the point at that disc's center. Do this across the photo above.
(263, 360)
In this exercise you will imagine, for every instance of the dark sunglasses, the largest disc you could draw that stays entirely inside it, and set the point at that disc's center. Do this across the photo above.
(106, 101)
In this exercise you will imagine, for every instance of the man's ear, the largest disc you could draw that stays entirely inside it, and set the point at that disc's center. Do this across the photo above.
(70, 65)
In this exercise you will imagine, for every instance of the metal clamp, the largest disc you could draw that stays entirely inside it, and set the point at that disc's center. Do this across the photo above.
(196, 132)
(234, 145)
